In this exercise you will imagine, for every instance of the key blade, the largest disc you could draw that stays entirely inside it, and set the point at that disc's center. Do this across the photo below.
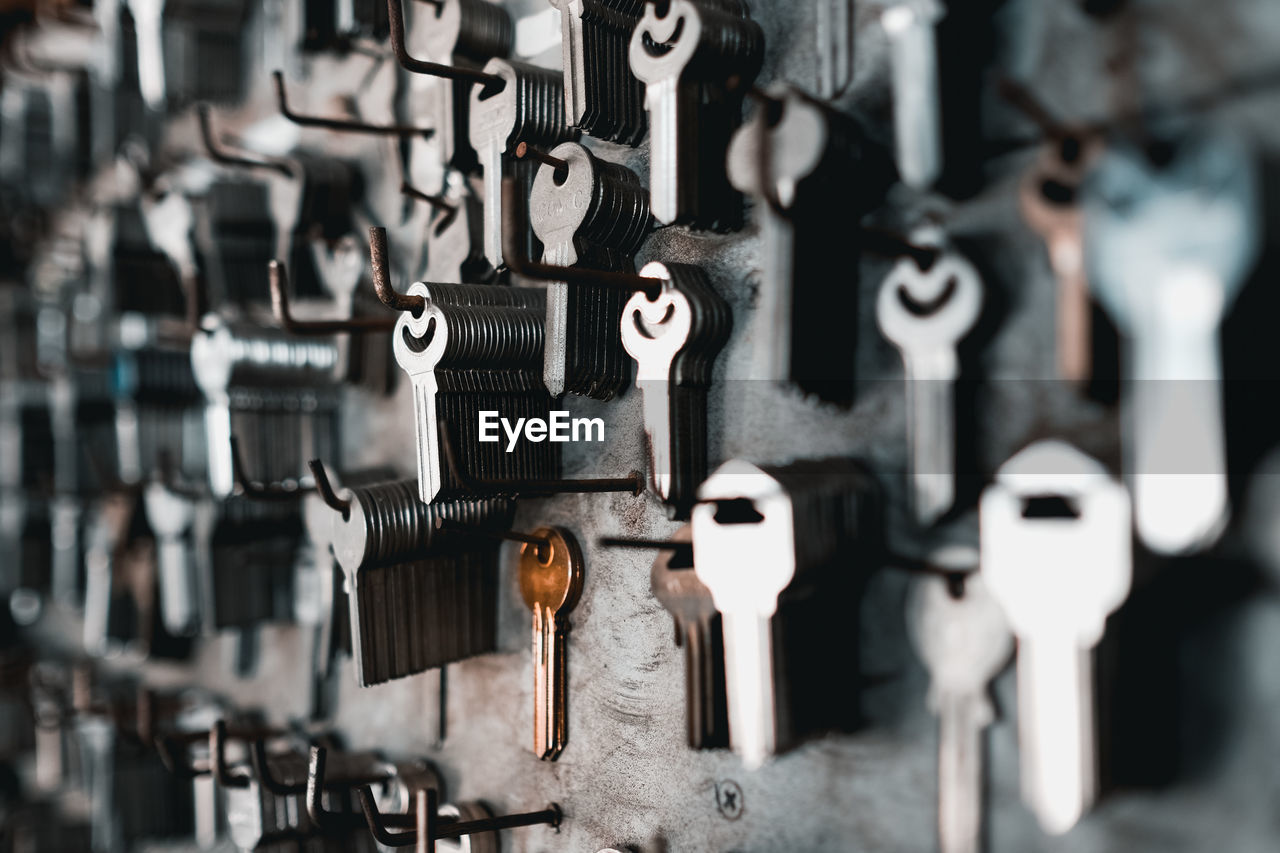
(748, 651)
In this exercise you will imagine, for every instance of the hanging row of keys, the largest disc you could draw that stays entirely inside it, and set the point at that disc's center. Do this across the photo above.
(402, 573)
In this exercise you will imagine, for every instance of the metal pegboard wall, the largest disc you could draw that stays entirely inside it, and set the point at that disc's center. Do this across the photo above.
(1193, 689)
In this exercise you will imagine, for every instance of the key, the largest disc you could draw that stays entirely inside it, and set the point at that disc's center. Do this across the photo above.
(776, 546)
(171, 516)
(419, 598)
(464, 33)
(551, 583)
(925, 313)
(685, 52)
(529, 108)
(475, 348)
(965, 642)
(1049, 198)
(793, 157)
(698, 630)
(228, 359)
(602, 96)
(589, 213)
(836, 36)
(917, 118)
(674, 340)
(1057, 557)
(148, 18)
(746, 567)
(1168, 249)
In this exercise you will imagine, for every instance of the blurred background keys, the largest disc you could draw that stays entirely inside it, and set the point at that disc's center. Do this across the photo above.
(699, 631)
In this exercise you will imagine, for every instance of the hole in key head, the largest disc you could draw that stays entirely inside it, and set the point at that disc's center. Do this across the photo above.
(1049, 506)
(656, 48)
(924, 309)
(647, 329)
(737, 511)
(420, 344)
(681, 556)
(1056, 192)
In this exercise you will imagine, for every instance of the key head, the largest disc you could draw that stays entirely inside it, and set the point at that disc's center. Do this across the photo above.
(799, 137)
(654, 331)
(418, 342)
(905, 14)
(929, 308)
(1056, 542)
(744, 546)
(441, 29)
(663, 22)
(340, 266)
(965, 642)
(551, 577)
(1172, 241)
(676, 585)
(1049, 192)
(558, 203)
(493, 114)
(169, 514)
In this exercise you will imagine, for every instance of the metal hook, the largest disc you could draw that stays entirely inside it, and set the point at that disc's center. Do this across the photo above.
(524, 150)
(395, 18)
(382, 276)
(379, 824)
(262, 770)
(278, 280)
(635, 483)
(542, 543)
(218, 758)
(437, 201)
(332, 823)
(325, 488)
(257, 491)
(342, 124)
(221, 155)
(513, 223)
(167, 747)
(642, 544)
(432, 826)
(167, 470)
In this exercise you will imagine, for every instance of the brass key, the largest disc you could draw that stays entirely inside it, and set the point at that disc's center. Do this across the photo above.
(551, 582)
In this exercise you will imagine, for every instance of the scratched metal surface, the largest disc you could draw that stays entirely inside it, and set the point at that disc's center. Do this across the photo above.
(627, 779)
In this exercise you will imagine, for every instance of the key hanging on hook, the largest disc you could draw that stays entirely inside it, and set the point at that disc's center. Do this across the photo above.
(395, 17)
(514, 224)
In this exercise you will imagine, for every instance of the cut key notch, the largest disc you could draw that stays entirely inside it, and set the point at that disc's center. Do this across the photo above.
(278, 280)
(514, 223)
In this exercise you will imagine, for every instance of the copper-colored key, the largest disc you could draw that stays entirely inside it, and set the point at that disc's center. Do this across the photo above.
(1049, 202)
(551, 582)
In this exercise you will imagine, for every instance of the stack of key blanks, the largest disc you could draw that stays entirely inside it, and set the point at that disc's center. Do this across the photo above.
(592, 213)
(472, 349)
(602, 97)
(781, 549)
(675, 340)
(422, 579)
